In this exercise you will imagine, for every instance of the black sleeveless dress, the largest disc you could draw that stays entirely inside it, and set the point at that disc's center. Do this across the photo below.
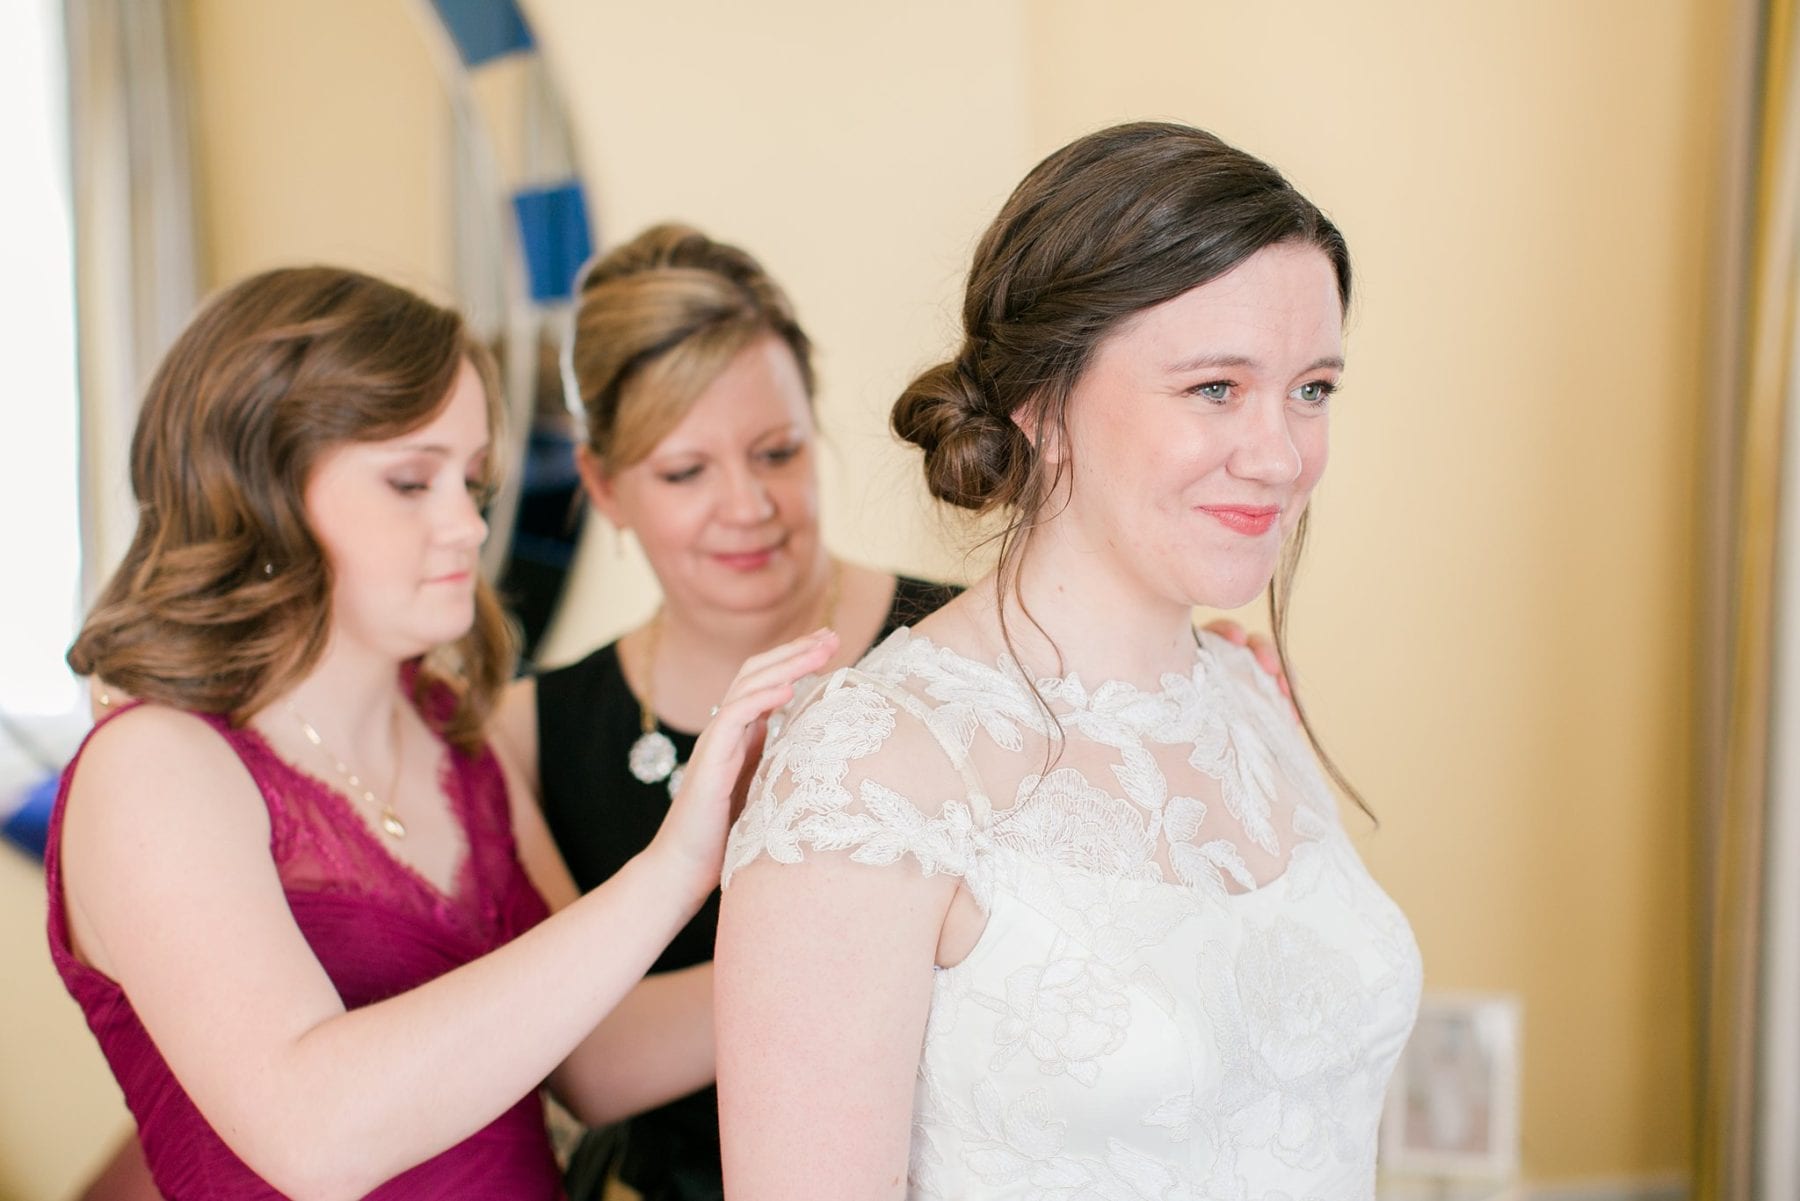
(600, 816)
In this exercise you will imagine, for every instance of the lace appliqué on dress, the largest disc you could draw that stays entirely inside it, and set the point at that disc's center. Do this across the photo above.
(1188, 986)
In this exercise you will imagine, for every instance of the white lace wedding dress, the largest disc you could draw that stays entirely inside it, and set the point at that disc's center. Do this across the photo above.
(1188, 987)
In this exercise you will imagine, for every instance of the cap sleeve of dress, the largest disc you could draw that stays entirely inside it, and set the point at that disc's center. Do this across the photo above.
(866, 769)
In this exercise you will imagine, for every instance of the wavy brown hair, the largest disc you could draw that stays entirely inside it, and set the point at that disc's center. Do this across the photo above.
(223, 600)
(1112, 224)
(657, 319)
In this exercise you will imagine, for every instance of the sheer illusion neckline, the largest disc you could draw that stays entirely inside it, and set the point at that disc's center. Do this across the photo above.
(1201, 707)
(1115, 694)
(462, 891)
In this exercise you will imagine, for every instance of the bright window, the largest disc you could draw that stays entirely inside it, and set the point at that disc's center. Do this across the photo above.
(40, 544)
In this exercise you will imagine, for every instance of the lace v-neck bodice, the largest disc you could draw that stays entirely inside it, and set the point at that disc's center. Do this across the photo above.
(1187, 987)
(377, 927)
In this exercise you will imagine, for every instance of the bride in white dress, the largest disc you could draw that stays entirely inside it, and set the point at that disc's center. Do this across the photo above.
(1048, 897)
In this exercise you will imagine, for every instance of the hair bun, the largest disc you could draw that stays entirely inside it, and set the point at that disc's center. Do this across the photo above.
(656, 321)
(975, 458)
(669, 244)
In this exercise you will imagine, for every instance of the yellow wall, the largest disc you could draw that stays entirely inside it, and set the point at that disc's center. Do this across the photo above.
(857, 150)
(1493, 623)
(324, 136)
(60, 1111)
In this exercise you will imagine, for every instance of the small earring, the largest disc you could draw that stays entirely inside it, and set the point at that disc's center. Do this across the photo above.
(268, 569)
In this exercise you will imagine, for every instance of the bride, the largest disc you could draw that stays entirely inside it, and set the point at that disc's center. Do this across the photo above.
(1048, 897)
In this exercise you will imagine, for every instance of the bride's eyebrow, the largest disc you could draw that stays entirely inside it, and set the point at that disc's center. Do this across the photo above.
(1211, 359)
(1208, 360)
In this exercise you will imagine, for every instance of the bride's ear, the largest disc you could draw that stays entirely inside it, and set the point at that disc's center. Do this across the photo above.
(1045, 435)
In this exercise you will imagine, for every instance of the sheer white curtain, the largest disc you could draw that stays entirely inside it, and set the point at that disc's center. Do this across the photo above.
(137, 269)
(38, 495)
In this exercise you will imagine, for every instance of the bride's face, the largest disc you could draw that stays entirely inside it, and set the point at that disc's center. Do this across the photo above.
(1198, 431)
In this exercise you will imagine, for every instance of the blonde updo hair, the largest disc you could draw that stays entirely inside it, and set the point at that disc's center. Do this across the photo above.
(656, 321)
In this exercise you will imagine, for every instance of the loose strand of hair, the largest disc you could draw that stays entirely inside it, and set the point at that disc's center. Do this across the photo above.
(1012, 551)
(1280, 604)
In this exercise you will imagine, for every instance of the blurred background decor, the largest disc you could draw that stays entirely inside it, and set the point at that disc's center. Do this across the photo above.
(1540, 611)
(521, 233)
(1748, 765)
(1453, 1106)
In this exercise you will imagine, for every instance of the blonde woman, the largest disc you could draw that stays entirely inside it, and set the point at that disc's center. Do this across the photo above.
(696, 382)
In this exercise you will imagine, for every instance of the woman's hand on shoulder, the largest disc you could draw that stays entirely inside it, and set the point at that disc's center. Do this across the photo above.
(1261, 647)
(692, 838)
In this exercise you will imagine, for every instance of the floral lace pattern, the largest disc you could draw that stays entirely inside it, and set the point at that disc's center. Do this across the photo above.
(1188, 985)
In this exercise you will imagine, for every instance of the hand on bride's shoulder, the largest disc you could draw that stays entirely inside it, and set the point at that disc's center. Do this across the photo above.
(692, 836)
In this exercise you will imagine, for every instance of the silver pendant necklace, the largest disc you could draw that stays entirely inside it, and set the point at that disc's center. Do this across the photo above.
(652, 757)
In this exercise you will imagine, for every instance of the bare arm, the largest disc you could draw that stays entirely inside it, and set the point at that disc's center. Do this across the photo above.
(512, 733)
(171, 891)
(655, 1046)
(823, 969)
(657, 1043)
(824, 974)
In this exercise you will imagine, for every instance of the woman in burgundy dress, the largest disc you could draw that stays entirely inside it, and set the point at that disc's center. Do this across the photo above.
(284, 881)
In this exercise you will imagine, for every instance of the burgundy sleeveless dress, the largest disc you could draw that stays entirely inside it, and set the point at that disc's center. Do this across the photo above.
(378, 929)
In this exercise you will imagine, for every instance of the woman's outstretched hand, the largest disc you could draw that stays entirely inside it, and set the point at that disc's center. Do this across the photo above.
(692, 836)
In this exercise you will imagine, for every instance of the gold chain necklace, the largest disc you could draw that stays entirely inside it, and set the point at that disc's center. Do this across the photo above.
(652, 757)
(385, 817)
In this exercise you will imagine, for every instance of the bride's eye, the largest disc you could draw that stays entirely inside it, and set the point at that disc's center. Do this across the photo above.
(1315, 392)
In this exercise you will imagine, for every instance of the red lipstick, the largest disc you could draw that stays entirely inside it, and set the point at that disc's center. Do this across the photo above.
(747, 561)
(1250, 520)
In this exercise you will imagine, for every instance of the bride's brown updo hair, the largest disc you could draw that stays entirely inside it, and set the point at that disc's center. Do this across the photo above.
(1112, 224)
(657, 320)
(223, 600)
